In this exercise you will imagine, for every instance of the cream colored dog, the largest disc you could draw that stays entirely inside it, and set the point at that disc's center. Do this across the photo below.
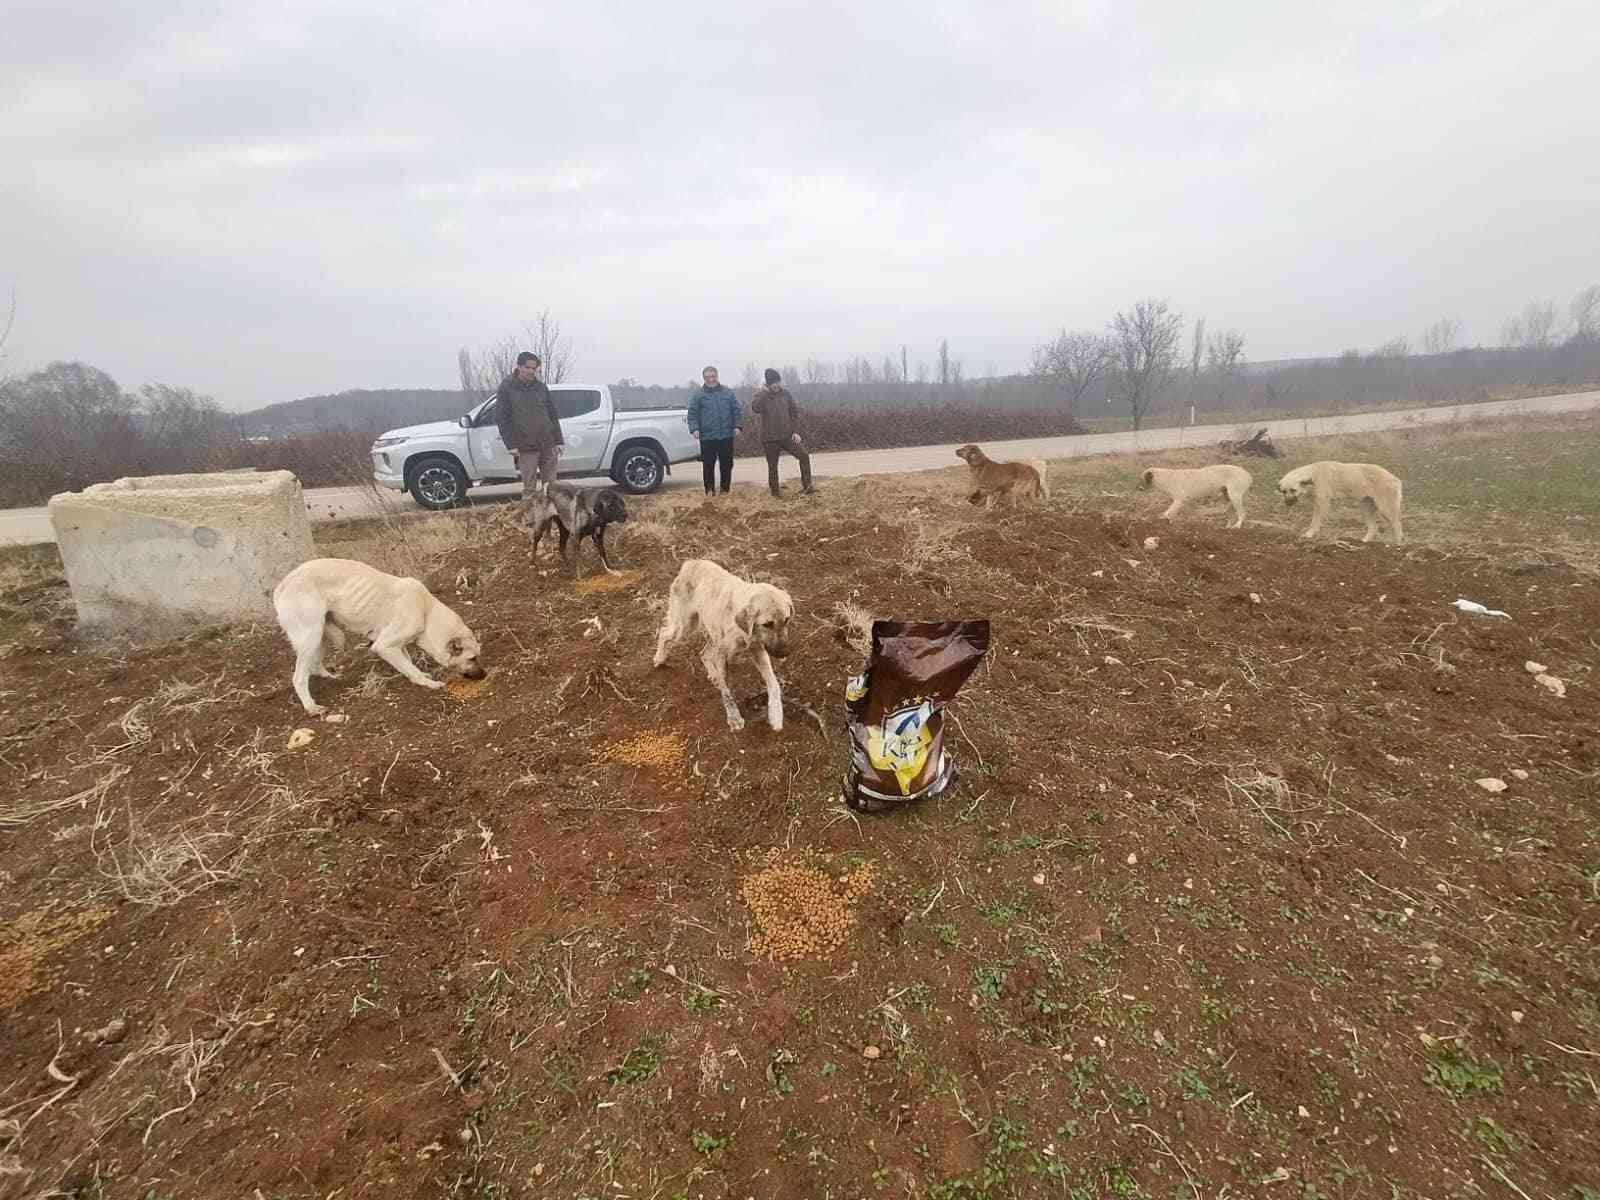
(1184, 484)
(1377, 489)
(736, 616)
(324, 598)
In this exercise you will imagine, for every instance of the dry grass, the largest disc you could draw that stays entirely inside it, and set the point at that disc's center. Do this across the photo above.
(22, 810)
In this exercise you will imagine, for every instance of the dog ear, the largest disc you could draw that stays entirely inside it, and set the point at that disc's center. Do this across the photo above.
(745, 618)
(453, 646)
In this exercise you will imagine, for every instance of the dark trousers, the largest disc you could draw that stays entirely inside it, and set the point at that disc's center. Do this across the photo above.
(715, 452)
(776, 450)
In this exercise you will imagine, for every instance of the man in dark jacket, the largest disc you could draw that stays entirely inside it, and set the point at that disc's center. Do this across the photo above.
(780, 430)
(529, 424)
(714, 420)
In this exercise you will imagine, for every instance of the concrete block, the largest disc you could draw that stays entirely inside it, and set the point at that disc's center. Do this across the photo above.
(153, 555)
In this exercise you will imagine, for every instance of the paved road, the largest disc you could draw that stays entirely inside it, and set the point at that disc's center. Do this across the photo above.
(21, 526)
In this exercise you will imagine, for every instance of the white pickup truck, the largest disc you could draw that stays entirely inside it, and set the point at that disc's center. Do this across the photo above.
(439, 461)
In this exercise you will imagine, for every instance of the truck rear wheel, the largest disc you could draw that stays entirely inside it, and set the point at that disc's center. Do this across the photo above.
(639, 470)
(437, 483)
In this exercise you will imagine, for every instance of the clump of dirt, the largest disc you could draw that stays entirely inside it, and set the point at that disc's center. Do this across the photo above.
(664, 751)
(800, 910)
(607, 583)
(33, 937)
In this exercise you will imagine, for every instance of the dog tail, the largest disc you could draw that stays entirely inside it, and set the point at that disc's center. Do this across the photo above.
(1038, 464)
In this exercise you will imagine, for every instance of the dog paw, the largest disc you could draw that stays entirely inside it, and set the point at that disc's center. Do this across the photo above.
(431, 684)
(316, 710)
(736, 723)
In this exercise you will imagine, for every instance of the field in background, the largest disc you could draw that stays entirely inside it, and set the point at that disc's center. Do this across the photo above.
(1217, 906)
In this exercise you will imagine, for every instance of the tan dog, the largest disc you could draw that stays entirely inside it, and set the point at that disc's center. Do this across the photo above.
(1378, 491)
(735, 616)
(324, 598)
(1015, 480)
(1184, 484)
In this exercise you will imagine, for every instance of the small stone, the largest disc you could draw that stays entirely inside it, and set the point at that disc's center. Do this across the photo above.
(1112, 660)
(1435, 961)
(1303, 1113)
(301, 737)
(1255, 597)
(1442, 888)
(1534, 668)
(1039, 879)
(1133, 860)
(1098, 574)
(1150, 543)
(1161, 1038)
(871, 1052)
(1491, 784)
(108, 1035)
(1556, 687)
(336, 718)
(1188, 885)
(1518, 773)
(1516, 1016)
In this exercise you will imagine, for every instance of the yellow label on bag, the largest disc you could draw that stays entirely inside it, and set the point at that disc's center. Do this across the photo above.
(901, 743)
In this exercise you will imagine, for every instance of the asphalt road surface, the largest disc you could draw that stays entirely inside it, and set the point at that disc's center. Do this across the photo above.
(24, 526)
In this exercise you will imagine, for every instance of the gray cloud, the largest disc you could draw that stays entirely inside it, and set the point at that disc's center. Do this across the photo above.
(332, 196)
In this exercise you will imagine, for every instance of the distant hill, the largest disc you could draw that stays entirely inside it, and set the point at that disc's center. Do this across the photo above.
(368, 411)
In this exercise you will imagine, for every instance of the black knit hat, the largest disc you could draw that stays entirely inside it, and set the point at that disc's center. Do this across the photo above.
(772, 376)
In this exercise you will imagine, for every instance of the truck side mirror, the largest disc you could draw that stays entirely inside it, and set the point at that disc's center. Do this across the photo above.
(465, 421)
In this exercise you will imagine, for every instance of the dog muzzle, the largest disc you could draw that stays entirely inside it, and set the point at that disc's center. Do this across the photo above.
(779, 651)
(472, 671)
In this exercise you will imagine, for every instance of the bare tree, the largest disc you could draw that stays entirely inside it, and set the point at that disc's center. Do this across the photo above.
(11, 320)
(1440, 337)
(1533, 328)
(481, 372)
(1583, 314)
(1196, 352)
(958, 371)
(1224, 361)
(552, 346)
(1144, 342)
(818, 371)
(944, 361)
(751, 377)
(889, 370)
(1073, 363)
(922, 371)
(1399, 347)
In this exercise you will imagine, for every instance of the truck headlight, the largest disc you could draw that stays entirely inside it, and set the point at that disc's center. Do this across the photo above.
(382, 442)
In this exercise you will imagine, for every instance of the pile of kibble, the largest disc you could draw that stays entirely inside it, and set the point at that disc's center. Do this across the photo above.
(663, 751)
(800, 910)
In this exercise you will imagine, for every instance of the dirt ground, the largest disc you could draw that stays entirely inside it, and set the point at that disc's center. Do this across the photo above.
(1218, 907)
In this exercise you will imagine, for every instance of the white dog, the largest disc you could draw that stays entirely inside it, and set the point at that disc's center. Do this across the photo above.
(736, 616)
(1376, 488)
(1196, 483)
(327, 596)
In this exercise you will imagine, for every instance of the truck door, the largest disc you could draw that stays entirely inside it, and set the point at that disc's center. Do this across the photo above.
(490, 458)
(586, 426)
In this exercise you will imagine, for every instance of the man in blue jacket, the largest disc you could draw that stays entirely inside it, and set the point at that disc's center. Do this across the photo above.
(714, 421)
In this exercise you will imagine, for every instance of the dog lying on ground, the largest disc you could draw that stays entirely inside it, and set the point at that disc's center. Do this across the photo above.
(1016, 480)
(1184, 484)
(326, 597)
(736, 616)
(1378, 491)
(577, 513)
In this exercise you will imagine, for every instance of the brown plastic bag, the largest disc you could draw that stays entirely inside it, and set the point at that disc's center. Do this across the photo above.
(894, 710)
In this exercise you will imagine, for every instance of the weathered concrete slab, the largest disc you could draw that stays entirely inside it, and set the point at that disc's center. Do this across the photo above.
(151, 555)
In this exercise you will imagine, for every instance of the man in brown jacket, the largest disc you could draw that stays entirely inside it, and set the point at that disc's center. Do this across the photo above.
(529, 424)
(780, 430)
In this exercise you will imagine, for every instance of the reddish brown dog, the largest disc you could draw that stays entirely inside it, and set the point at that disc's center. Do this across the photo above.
(1016, 480)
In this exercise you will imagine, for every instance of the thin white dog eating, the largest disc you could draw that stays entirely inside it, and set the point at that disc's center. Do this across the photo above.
(1376, 488)
(327, 597)
(736, 616)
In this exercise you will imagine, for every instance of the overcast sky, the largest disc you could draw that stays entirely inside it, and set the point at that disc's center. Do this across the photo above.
(269, 201)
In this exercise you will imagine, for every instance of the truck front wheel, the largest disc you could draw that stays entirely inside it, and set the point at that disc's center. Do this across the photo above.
(437, 483)
(639, 470)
